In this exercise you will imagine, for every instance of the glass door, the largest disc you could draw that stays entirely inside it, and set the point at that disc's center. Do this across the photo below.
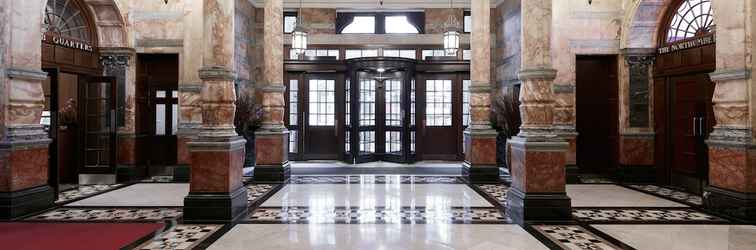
(382, 123)
(99, 125)
(440, 113)
(321, 117)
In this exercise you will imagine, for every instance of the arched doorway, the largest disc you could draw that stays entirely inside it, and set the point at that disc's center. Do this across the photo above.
(683, 93)
(80, 106)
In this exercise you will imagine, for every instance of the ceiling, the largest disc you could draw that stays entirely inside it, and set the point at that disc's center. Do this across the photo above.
(374, 4)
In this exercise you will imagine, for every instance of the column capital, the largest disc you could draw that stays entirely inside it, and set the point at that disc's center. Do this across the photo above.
(210, 73)
(273, 88)
(537, 74)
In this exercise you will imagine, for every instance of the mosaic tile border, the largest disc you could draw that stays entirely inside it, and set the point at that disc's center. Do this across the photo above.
(181, 237)
(668, 193)
(85, 191)
(573, 237)
(377, 215)
(375, 179)
(494, 193)
(120, 214)
(643, 215)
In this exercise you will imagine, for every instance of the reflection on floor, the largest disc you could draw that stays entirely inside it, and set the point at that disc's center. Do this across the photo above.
(408, 212)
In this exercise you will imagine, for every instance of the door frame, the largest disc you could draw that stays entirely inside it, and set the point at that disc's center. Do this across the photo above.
(84, 81)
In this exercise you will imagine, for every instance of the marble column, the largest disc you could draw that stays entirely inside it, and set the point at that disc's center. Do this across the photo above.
(732, 151)
(480, 137)
(24, 143)
(272, 139)
(538, 153)
(637, 139)
(118, 63)
(216, 192)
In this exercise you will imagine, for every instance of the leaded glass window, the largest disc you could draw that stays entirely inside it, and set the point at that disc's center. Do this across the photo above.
(66, 18)
(438, 104)
(693, 18)
(322, 103)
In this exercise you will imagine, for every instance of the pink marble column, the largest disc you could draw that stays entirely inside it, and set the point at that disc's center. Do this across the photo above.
(480, 137)
(272, 140)
(24, 143)
(732, 157)
(538, 154)
(216, 192)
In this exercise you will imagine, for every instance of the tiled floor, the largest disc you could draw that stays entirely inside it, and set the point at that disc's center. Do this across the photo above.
(410, 212)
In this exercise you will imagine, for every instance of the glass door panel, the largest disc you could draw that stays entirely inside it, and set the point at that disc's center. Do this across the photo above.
(99, 125)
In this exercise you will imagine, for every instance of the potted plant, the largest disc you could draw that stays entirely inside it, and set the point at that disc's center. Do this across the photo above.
(248, 119)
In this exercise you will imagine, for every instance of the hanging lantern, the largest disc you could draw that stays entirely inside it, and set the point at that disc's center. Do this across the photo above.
(451, 42)
(299, 40)
(298, 35)
(451, 34)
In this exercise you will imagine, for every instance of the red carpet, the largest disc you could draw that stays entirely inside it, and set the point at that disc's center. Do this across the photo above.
(72, 235)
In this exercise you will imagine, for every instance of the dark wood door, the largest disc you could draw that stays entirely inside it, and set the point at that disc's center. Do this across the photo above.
(157, 110)
(322, 95)
(691, 120)
(439, 106)
(53, 172)
(98, 116)
(597, 113)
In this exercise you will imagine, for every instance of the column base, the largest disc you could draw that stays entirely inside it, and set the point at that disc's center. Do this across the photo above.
(734, 204)
(481, 174)
(129, 173)
(215, 207)
(522, 207)
(480, 156)
(24, 202)
(636, 174)
(272, 173)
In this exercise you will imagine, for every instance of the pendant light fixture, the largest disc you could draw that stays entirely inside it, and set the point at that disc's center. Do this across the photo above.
(298, 35)
(451, 33)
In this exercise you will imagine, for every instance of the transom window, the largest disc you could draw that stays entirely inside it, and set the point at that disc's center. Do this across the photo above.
(380, 23)
(404, 53)
(66, 18)
(357, 53)
(467, 22)
(693, 18)
(290, 22)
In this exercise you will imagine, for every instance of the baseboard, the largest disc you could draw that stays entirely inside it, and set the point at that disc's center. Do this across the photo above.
(24, 202)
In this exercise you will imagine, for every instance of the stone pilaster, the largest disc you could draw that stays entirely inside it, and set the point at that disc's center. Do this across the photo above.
(732, 148)
(118, 63)
(272, 140)
(216, 192)
(637, 139)
(538, 154)
(480, 138)
(24, 143)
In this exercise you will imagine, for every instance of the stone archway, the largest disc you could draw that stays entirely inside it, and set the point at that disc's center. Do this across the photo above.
(642, 22)
(111, 27)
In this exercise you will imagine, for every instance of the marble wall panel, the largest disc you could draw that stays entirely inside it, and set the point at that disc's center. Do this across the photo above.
(435, 19)
(319, 21)
(636, 151)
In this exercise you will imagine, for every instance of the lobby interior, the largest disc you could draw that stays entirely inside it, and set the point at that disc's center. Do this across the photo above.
(377, 124)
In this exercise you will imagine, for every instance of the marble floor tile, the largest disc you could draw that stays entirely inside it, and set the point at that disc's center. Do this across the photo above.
(643, 215)
(375, 179)
(377, 236)
(181, 237)
(140, 195)
(574, 237)
(109, 214)
(670, 193)
(377, 215)
(607, 195)
(497, 192)
(688, 237)
(82, 191)
(376, 195)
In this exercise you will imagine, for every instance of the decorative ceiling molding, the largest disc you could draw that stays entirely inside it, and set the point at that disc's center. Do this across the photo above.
(373, 4)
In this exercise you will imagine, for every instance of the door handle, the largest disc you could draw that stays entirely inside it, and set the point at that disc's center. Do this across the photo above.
(336, 128)
(701, 126)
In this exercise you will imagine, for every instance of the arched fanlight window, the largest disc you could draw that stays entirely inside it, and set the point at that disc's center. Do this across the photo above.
(692, 18)
(66, 18)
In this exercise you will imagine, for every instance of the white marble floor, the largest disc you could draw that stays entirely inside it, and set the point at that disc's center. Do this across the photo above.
(689, 237)
(377, 195)
(140, 195)
(607, 195)
(377, 236)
